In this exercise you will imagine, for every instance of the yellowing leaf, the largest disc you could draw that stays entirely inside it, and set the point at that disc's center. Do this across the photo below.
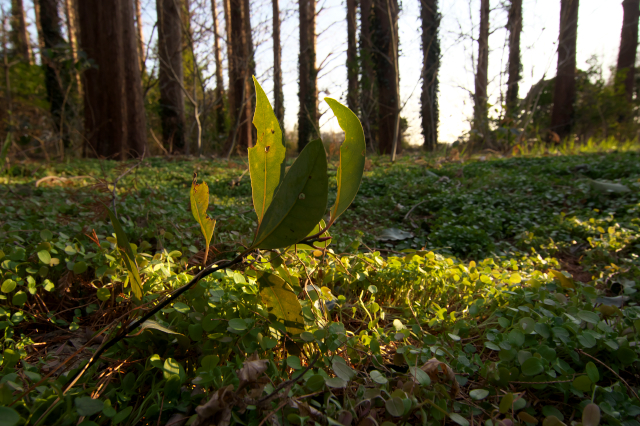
(127, 256)
(565, 282)
(199, 196)
(281, 302)
(266, 159)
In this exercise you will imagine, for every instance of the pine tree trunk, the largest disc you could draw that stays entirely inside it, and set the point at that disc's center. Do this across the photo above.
(139, 27)
(113, 106)
(514, 25)
(368, 90)
(628, 45)
(278, 96)
(308, 84)
(171, 76)
(565, 86)
(386, 60)
(430, 67)
(352, 55)
(481, 124)
(19, 33)
(219, 106)
(56, 79)
(240, 134)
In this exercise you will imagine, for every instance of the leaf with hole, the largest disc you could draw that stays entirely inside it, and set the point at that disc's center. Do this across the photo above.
(199, 197)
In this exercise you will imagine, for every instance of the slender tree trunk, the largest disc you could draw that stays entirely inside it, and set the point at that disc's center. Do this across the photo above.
(368, 90)
(72, 30)
(386, 59)
(565, 87)
(251, 71)
(514, 25)
(140, 27)
(352, 55)
(219, 106)
(240, 105)
(171, 77)
(430, 67)
(308, 84)
(36, 10)
(56, 79)
(278, 96)
(19, 33)
(628, 45)
(481, 124)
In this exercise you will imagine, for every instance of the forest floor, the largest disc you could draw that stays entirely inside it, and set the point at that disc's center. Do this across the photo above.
(487, 290)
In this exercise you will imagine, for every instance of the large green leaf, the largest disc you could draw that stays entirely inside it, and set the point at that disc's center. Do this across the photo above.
(352, 156)
(266, 159)
(299, 203)
(199, 196)
(127, 256)
(280, 300)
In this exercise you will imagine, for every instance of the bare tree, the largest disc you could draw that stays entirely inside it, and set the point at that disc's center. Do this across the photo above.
(352, 55)
(368, 87)
(565, 86)
(514, 25)
(219, 107)
(19, 33)
(385, 40)
(139, 26)
(171, 74)
(628, 45)
(430, 67)
(308, 84)
(278, 95)
(114, 127)
(480, 113)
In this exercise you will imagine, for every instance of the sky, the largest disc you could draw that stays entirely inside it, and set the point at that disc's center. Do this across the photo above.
(599, 25)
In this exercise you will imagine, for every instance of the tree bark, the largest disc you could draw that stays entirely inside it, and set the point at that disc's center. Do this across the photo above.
(368, 89)
(171, 76)
(139, 27)
(19, 33)
(240, 135)
(481, 125)
(430, 67)
(565, 86)
(278, 96)
(628, 45)
(251, 67)
(386, 60)
(219, 106)
(308, 84)
(352, 56)
(514, 25)
(56, 79)
(36, 10)
(113, 106)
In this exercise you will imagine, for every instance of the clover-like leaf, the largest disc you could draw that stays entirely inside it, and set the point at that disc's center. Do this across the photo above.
(127, 256)
(352, 158)
(266, 158)
(199, 196)
(299, 203)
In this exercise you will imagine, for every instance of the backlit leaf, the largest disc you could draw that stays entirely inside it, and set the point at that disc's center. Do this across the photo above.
(199, 196)
(280, 300)
(127, 256)
(299, 203)
(266, 158)
(352, 158)
(318, 244)
(565, 281)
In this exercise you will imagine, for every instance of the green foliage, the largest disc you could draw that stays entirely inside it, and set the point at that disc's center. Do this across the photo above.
(199, 197)
(127, 255)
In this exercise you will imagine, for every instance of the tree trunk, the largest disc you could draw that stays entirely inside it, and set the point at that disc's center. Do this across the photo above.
(352, 55)
(368, 89)
(308, 84)
(140, 26)
(565, 87)
(171, 77)
(514, 25)
(481, 125)
(386, 60)
(628, 45)
(56, 78)
(278, 95)
(113, 106)
(430, 67)
(36, 10)
(251, 67)
(19, 33)
(72, 30)
(219, 106)
(240, 135)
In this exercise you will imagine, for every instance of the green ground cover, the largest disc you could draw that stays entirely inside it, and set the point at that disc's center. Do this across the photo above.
(502, 290)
